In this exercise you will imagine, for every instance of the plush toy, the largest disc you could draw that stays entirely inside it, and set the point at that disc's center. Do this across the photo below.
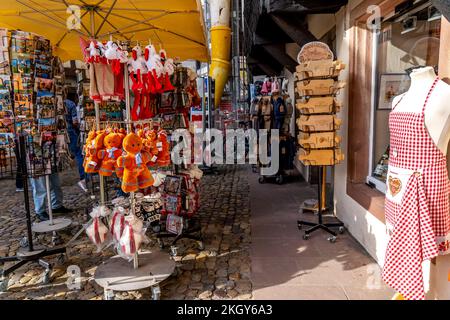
(109, 155)
(163, 146)
(113, 53)
(168, 70)
(151, 147)
(155, 67)
(92, 161)
(90, 140)
(94, 52)
(135, 172)
(137, 69)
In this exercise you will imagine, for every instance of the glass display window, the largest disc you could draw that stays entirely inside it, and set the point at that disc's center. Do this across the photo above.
(405, 41)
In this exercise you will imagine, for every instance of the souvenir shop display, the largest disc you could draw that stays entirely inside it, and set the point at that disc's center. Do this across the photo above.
(7, 157)
(136, 150)
(36, 85)
(274, 110)
(417, 196)
(316, 87)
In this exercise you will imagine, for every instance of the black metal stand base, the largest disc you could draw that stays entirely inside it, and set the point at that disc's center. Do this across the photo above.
(28, 257)
(320, 225)
(32, 253)
(190, 233)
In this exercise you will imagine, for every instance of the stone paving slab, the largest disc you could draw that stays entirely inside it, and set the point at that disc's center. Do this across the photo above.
(284, 266)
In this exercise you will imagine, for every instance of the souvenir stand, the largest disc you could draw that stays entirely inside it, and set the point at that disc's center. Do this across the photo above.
(7, 145)
(317, 86)
(38, 115)
(182, 34)
(137, 150)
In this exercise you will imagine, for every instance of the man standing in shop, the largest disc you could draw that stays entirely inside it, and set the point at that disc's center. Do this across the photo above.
(73, 129)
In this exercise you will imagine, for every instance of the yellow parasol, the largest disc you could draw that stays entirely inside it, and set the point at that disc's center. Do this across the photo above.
(175, 25)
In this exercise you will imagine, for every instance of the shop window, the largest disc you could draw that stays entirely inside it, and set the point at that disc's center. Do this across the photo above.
(404, 41)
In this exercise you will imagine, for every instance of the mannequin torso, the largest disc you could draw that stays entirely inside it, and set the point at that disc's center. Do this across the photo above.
(437, 112)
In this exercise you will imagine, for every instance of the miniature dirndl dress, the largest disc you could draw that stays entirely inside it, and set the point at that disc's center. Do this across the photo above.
(417, 202)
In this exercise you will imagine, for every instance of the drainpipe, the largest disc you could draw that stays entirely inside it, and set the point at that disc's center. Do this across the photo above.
(220, 46)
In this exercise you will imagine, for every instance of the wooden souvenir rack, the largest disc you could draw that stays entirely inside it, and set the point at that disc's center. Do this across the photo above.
(316, 87)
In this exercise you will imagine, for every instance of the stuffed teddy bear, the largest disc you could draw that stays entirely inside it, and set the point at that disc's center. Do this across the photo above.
(92, 161)
(134, 163)
(163, 146)
(109, 155)
(90, 140)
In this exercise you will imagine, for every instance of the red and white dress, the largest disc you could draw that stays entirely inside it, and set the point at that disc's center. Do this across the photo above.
(417, 203)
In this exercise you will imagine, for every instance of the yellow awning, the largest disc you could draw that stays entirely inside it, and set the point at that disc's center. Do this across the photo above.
(176, 25)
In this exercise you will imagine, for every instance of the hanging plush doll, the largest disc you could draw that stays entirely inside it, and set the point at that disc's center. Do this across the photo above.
(94, 52)
(134, 163)
(109, 155)
(137, 69)
(168, 70)
(90, 140)
(93, 162)
(112, 53)
(163, 146)
(154, 65)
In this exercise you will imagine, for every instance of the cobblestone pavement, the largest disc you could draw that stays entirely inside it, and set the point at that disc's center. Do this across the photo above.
(220, 271)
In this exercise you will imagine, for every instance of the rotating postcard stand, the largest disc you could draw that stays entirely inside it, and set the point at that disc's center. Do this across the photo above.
(32, 252)
(149, 267)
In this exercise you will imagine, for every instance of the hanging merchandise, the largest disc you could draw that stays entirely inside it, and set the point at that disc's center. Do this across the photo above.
(168, 71)
(97, 231)
(132, 237)
(136, 175)
(266, 87)
(117, 225)
(275, 87)
(284, 86)
(111, 152)
(106, 75)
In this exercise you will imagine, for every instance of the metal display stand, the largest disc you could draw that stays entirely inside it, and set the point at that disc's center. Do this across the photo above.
(116, 274)
(189, 232)
(32, 253)
(51, 225)
(321, 209)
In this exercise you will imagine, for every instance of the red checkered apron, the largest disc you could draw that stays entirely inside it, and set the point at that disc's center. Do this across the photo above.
(417, 203)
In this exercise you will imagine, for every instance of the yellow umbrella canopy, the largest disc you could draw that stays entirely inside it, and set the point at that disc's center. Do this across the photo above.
(175, 25)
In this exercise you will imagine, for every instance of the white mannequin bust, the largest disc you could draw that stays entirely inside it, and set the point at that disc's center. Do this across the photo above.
(437, 112)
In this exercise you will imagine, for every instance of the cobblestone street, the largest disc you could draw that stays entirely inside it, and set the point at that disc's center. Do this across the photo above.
(270, 262)
(220, 271)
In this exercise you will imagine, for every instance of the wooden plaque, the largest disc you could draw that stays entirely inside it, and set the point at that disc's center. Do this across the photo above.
(319, 140)
(315, 105)
(320, 157)
(319, 69)
(313, 51)
(318, 123)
